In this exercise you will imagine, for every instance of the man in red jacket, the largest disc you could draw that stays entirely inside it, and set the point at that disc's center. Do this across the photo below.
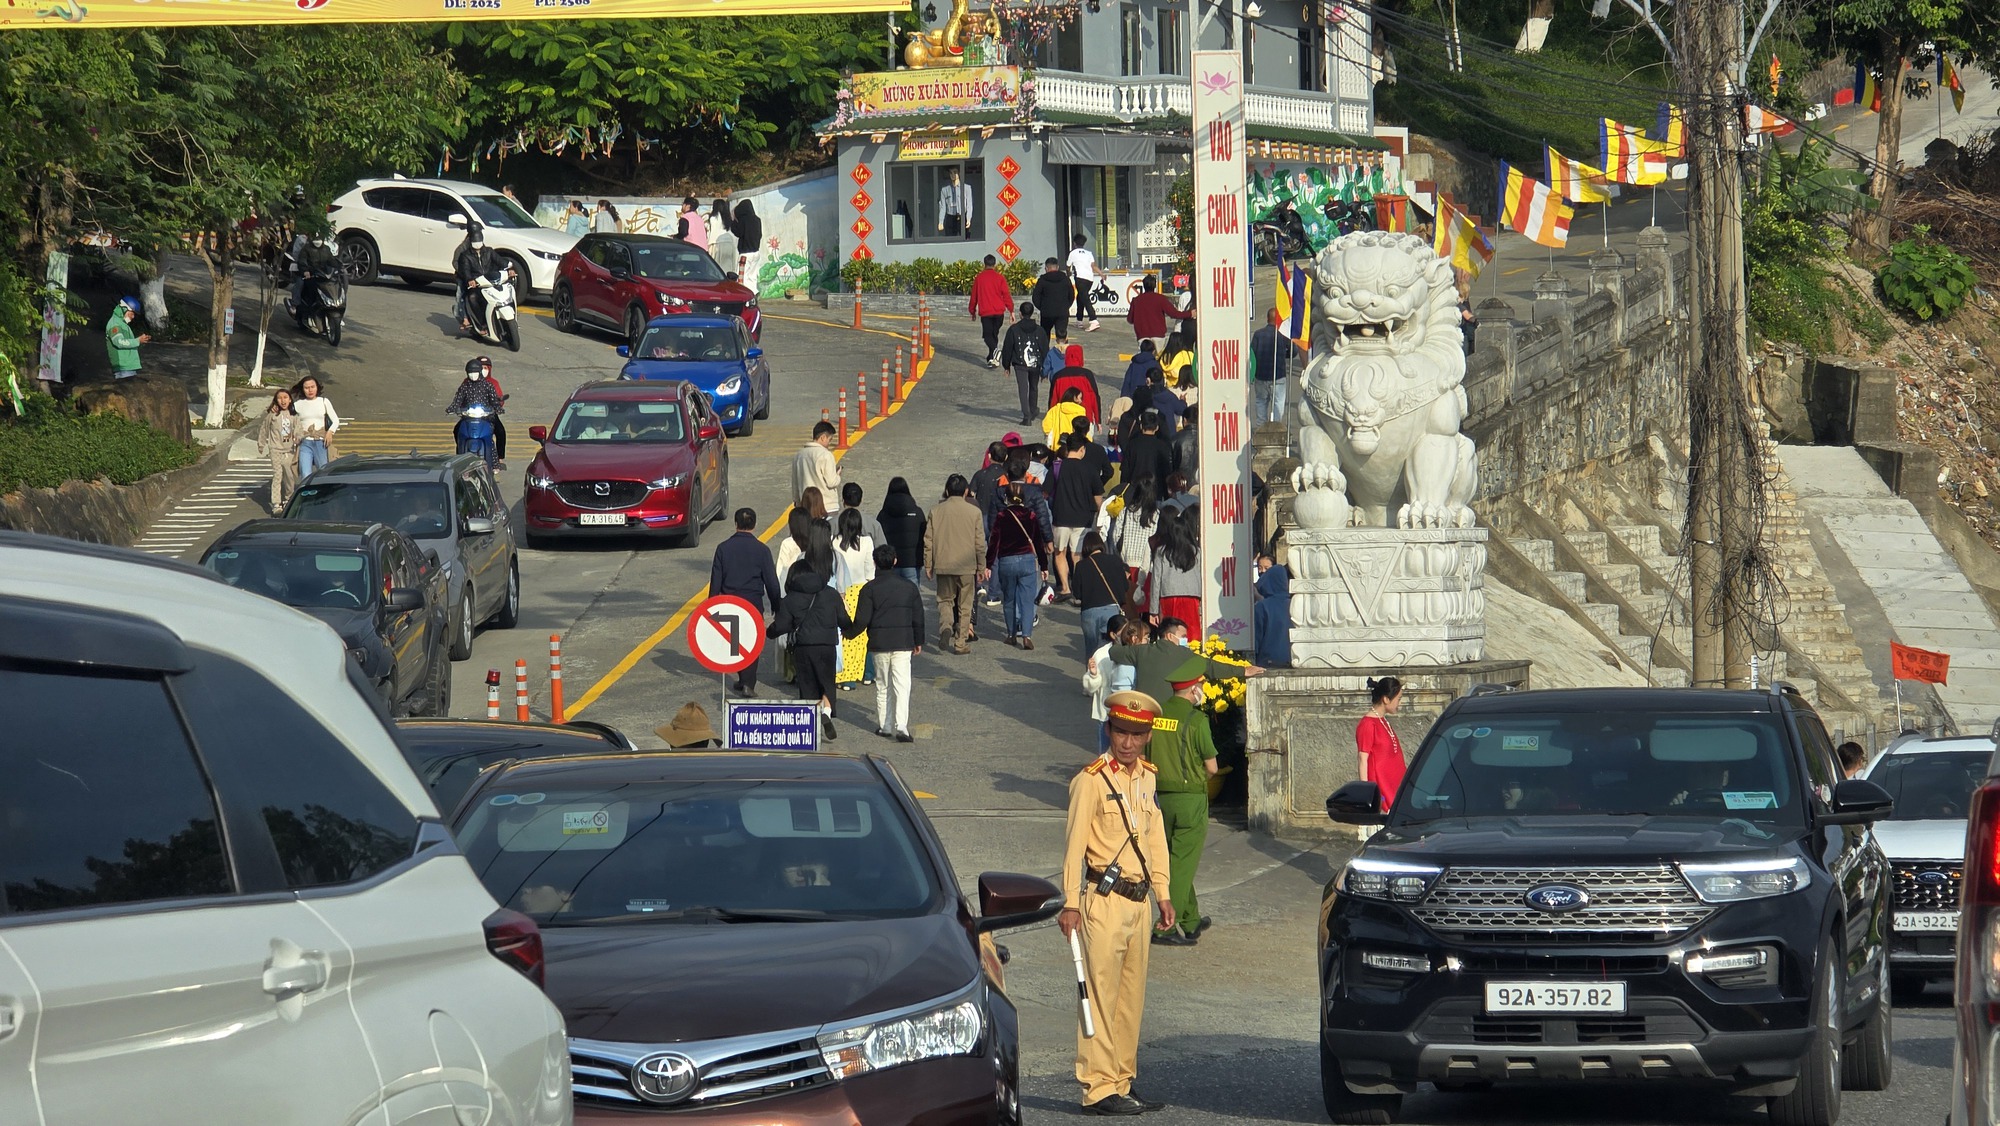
(992, 300)
(1148, 314)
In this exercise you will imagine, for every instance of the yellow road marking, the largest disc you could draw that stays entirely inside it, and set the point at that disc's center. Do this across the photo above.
(1512, 272)
(679, 617)
(847, 328)
(922, 795)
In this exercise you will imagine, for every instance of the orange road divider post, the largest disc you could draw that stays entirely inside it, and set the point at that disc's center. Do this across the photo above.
(884, 384)
(521, 690)
(492, 693)
(897, 358)
(860, 401)
(842, 442)
(857, 304)
(555, 678)
(916, 355)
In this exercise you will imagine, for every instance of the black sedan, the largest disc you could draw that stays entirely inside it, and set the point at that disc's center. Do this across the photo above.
(448, 754)
(383, 595)
(745, 937)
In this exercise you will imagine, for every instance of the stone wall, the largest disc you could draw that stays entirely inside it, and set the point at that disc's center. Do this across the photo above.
(1578, 386)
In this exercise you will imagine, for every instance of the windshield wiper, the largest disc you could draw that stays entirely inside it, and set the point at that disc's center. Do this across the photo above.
(707, 914)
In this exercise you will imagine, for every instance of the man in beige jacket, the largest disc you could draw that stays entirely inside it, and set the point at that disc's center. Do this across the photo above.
(955, 555)
(814, 467)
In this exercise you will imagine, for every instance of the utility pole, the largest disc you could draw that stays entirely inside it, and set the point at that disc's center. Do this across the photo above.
(1724, 466)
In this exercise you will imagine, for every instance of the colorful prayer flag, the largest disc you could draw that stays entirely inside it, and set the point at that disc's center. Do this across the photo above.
(1528, 206)
(1460, 240)
(1574, 180)
(1867, 94)
(1757, 119)
(1670, 129)
(1777, 69)
(1948, 78)
(1631, 157)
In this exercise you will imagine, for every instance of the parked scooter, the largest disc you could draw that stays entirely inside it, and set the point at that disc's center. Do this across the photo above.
(489, 303)
(322, 304)
(474, 433)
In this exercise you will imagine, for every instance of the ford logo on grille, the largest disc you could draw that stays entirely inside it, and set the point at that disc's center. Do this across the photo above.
(1557, 898)
(666, 1077)
(1933, 878)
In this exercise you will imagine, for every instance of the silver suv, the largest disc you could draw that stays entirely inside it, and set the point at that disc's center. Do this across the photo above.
(223, 895)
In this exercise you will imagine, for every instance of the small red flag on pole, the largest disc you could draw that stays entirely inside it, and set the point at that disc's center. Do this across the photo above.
(1907, 663)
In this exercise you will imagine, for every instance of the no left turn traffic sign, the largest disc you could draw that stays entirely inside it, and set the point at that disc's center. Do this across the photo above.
(725, 634)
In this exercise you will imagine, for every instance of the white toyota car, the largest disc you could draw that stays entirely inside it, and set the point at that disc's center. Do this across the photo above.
(411, 228)
(1932, 781)
(224, 897)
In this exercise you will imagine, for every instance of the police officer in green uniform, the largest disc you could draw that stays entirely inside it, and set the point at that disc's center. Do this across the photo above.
(1183, 753)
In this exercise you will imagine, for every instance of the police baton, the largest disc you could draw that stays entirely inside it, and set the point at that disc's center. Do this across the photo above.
(1082, 986)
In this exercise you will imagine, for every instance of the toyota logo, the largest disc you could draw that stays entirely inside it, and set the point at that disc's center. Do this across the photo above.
(602, 488)
(667, 1077)
(1557, 899)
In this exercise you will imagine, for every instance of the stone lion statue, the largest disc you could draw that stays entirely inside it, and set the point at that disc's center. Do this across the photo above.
(1384, 391)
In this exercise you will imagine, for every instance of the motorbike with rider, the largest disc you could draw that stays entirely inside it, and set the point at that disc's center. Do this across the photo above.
(478, 404)
(485, 291)
(319, 293)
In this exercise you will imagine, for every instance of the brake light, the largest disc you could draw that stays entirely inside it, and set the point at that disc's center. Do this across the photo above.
(515, 939)
(332, 207)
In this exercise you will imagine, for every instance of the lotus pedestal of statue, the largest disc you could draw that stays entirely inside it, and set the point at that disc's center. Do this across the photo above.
(1387, 567)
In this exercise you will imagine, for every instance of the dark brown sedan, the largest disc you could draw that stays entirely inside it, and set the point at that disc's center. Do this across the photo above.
(756, 938)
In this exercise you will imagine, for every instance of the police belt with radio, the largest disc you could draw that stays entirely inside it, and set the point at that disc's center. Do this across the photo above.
(1110, 879)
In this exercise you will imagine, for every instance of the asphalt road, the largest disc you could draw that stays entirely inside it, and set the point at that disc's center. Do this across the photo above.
(1229, 1033)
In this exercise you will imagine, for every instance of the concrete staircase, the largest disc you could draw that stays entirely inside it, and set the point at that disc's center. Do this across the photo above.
(1606, 617)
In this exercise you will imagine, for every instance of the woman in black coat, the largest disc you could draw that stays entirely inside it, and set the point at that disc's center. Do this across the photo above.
(814, 616)
(903, 521)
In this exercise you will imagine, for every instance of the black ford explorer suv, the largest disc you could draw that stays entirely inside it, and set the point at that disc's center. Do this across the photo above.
(1611, 884)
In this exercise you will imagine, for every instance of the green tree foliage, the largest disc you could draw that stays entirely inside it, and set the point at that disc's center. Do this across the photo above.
(1787, 242)
(712, 87)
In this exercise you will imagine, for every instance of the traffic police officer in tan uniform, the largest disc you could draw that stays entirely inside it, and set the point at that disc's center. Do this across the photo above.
(1115, 855)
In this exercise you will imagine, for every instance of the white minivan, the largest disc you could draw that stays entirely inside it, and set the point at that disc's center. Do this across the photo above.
(224, 898)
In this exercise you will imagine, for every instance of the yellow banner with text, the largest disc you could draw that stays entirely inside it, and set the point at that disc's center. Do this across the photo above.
(935, 90)
(188, 13)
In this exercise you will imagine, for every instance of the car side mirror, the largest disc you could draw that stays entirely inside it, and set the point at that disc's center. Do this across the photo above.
(1009, 899)
(620, 273)
(538, 433)
(478, 526)
(731, 276)
(1858, 801)
(457, 219)
(709, 432)
(1357, 803)
(625, 351)
(404, 599)
(753, 353)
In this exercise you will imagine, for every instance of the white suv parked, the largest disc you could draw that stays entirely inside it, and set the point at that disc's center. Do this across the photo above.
(224, 898)
(411, 228)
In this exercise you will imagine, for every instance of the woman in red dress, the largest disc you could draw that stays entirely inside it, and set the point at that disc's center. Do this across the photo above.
(1381, 751)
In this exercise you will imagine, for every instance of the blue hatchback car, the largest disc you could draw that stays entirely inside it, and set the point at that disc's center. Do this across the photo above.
(716, 354)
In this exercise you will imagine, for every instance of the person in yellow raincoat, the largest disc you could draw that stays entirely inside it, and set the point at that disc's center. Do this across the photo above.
(854, 552)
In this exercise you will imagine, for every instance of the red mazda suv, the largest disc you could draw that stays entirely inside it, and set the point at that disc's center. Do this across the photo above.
(628, 458)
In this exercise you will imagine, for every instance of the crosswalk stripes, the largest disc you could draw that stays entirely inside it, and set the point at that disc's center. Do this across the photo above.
(196, 515)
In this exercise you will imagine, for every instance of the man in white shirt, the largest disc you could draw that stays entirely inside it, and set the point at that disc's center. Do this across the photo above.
(955, 206)
(1083, 267)
(815, 467)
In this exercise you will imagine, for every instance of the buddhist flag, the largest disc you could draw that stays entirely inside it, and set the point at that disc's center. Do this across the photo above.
(1907, 663)
(1867, 94)
(1294, 304)
(1671, 131)
(1948, 78)
(1777, 70)
(1576, 181)
(1461, 241)
(1631, 157)
(1757, 119)
(1528, 206)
